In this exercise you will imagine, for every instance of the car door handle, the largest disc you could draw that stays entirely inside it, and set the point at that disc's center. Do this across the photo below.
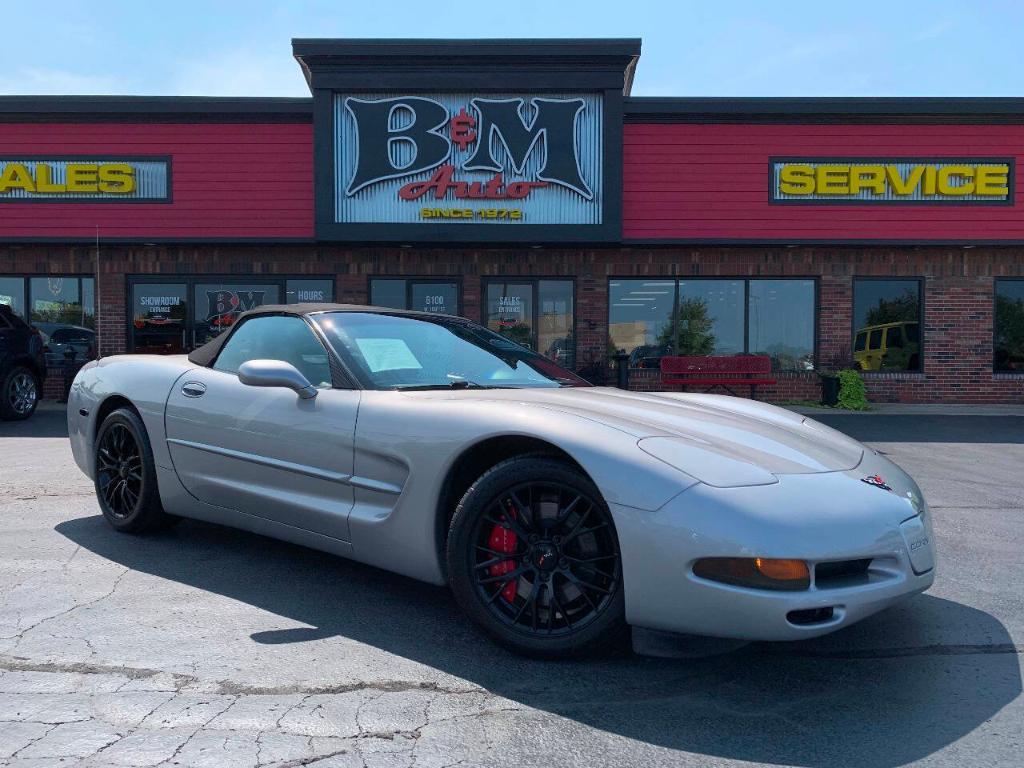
(193, 389)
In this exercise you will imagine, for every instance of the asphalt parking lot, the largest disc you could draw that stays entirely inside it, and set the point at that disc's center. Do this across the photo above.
(208, 646)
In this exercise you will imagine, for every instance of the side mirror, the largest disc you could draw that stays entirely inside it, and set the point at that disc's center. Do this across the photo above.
(276, 373)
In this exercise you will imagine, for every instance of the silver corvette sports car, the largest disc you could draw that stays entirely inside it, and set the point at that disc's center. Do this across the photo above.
(559, 513)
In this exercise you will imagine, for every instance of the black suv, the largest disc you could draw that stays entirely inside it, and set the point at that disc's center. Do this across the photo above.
(22, 366)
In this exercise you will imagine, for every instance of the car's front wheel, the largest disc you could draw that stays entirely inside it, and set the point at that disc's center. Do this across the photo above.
(19, 394)
(126, 475)
(533, 558)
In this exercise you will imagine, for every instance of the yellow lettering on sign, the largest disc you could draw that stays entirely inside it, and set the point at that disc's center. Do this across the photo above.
(16, 176)
(796, 179)
(44, 182)
(83, 177)
(833, 179)
(992, 180)
(867, 177)
(117, 178)
(955, 180)
(897, 182)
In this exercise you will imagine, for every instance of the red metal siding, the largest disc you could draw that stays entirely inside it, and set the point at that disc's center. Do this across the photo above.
(709, 182)
(244, 180)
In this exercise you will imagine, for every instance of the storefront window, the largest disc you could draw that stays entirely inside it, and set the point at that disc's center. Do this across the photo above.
(651, 318)
(710, 317)
(1009, 326)
(12, 293)
(640, 319)
(886, 325)
(780, 322)
(535, 313)
(309, 291)
(57, 300)
(218, 305)
(426, 295)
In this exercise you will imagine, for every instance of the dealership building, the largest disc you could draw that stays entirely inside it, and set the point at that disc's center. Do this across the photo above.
(518, 183)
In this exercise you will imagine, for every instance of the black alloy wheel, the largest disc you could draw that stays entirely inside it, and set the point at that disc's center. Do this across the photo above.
(535, 547)
(19, 394)
(119, 470)
(125, 475)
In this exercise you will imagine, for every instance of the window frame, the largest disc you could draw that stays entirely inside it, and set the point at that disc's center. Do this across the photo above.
(534, 280)
(456, 279)
(920, 280)
(746, 280)
(995, 293)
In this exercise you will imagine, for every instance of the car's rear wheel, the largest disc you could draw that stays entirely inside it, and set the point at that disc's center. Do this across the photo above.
(126, 475)
(19, 394)
(533, 558)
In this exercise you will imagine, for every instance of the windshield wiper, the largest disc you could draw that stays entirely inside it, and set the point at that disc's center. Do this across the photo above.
(460, 384)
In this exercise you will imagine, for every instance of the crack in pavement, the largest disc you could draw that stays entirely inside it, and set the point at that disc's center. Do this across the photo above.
(21, 634)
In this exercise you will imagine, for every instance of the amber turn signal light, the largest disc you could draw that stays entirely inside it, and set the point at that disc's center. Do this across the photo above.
(755, 572)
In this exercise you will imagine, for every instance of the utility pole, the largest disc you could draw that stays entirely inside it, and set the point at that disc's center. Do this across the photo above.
(96, 298)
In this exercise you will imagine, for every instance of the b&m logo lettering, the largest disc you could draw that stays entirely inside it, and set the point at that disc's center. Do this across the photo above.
(460, 158)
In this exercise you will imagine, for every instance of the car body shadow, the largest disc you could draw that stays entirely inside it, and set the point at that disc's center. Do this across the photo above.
(882, 693)
(49, 420)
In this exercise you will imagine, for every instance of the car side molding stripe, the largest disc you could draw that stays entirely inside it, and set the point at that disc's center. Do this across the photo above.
(288, 466)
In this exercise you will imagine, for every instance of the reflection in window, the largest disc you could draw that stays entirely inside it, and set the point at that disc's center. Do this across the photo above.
(1009, 326)
(710, 317)
(57, 300)
(535, 313)
(886, 320)
(650, 318)
(640, 319)
(780, 320)
(427, 295)
(278, 337)
(12, 293)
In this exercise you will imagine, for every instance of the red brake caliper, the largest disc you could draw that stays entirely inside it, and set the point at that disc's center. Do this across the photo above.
(504, 540)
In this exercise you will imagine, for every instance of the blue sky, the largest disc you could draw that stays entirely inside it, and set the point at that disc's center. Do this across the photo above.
(711, 48)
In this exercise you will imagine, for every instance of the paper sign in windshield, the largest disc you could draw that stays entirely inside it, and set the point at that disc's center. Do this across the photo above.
(387, 355)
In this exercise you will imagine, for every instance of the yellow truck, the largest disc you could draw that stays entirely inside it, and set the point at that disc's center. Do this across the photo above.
(888, 347)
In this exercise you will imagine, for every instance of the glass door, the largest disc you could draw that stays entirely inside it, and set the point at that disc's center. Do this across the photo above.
(510, 311)
(159, 318)
(218, 304)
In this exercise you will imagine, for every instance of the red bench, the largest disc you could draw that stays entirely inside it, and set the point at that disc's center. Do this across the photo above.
(722, 371)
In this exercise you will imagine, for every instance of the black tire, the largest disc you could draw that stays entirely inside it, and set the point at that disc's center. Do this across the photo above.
(19, 394)
(126, 475)
(562, 549)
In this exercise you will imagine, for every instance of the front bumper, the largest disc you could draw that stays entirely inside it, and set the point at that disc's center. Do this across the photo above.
(819, 518)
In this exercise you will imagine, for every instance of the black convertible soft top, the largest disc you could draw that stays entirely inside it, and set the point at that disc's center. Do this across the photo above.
(207, 353)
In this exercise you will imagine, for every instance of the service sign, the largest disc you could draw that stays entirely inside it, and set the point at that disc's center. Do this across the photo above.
(944, 181)
(464, 158)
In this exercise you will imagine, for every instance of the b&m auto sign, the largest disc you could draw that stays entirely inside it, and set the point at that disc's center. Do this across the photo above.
(461, 158)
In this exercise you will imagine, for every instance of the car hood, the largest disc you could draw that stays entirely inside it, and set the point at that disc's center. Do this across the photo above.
(731, 434)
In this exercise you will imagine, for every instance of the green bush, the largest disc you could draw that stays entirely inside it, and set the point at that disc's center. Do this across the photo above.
(852, 395)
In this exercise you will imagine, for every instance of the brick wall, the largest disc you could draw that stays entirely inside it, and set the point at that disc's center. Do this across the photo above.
(958, 293)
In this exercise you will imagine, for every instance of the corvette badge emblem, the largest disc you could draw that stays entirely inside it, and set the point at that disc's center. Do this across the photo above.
(877, 481)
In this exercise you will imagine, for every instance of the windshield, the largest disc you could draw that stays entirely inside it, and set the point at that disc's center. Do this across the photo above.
(413, 352)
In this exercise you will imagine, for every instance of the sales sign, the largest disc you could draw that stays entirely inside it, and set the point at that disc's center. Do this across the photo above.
(814, 181)
(462, 158)
(85, 179)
